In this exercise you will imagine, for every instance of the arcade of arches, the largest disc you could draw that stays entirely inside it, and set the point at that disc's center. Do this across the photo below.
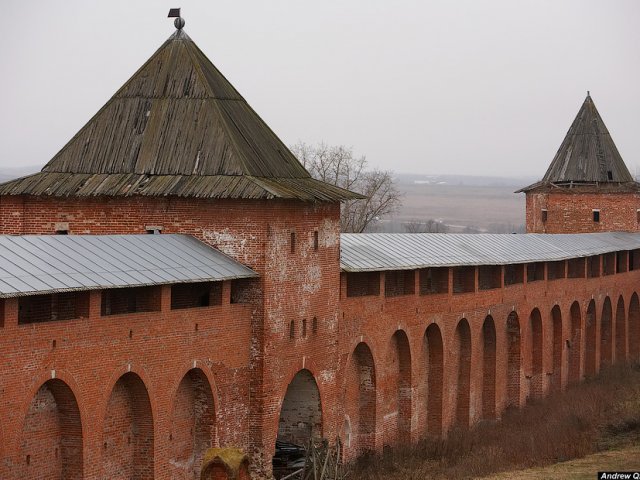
(421, 381)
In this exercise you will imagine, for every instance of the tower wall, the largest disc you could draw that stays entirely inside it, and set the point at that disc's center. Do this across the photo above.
(252, 352)
(572, 211)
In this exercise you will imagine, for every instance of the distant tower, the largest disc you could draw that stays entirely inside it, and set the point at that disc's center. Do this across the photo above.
(587, 187)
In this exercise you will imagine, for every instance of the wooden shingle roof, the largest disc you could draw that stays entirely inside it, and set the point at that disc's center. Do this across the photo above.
(587, 156)
(176, 127)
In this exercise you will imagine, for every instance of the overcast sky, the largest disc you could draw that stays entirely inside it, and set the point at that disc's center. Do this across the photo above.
(479, 87)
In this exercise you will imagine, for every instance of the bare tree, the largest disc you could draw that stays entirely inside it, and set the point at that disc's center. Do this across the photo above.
(338, 166)
(426, 226)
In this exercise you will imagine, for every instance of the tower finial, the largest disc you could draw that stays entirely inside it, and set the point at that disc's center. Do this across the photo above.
(588, 93)
(179, 21)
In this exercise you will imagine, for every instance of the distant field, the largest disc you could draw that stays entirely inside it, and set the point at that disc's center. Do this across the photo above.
(461, 203)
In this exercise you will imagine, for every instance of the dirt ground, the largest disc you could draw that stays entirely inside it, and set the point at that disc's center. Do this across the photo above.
(626, 459)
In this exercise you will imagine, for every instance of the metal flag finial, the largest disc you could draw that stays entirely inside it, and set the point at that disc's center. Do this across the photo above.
(179, 21)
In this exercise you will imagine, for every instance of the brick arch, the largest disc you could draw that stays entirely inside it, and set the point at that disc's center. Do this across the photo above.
(127, 435)
(634, 328)
(591, 335)
(488, 368)
(360, 399)
(575, 342)
(51, 444)
(434, 356)
(192, 424)
(606, 334)
(514, 360)
(301, 411)
(537, 353)
(398, 428)
(462, 361)
(621, 332)
(556, 348)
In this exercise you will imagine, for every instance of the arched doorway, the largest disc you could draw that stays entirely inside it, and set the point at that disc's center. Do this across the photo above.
(361, 400)
(463, 372)
(399, 390)
(575, 343)
(513, 360)
(621, 332)
(51, 442)
(634, 328)
(535, 327)
(192, 425)
(488, 368)
(127, 435)
(434, 357)
(606, 337)
(301, 411)
(556, 345)
(591, 340)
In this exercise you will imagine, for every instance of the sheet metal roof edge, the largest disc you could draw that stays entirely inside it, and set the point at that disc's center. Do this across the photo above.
(113, 287)
(249, 273)
(544, 238)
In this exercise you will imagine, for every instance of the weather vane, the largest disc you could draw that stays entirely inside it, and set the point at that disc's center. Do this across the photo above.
(179, 21)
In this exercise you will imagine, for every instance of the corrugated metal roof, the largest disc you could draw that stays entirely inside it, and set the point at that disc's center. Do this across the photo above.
(176, 127)
(404, 251)
(38, 264)
(587, 155)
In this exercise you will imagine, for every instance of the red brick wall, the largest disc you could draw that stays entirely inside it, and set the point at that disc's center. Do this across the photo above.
(572, 212)
(295, 286)
(88, 356)
(372, 323)
(388, 369)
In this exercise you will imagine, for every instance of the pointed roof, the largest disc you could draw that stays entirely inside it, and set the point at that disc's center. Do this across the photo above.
(587, 155)
(176, 127)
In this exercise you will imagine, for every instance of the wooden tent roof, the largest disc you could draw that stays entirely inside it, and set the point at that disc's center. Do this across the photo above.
(176, 127)
(587, 156)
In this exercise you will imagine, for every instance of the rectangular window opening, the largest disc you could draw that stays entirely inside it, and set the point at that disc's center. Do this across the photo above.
(609, 263)
(596, 215)
(464, 279)
(489, 277)
(194, 295)
(293, 242)
(593, 266)
(61, 228)
(622, 261)
(397, 283)
(556, 270)
(513, 274)
(535, 272)
(544, 215)
(634, 260)
(361, 284)
(53, 307)
(434, 281)
(316, 240)
(117, 301)
(576, 267)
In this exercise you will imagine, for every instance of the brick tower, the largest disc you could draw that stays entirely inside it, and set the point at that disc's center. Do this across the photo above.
(587, 187)
(178, 150)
